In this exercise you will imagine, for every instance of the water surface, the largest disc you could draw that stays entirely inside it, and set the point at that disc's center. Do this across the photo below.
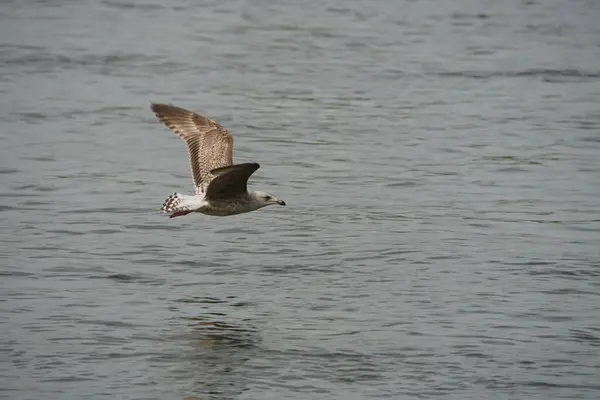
(440, 166)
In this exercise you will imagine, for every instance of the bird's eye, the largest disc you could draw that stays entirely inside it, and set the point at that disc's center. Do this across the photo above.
(267, 198)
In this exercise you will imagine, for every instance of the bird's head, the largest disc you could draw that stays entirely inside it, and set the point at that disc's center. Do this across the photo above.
(265, 199)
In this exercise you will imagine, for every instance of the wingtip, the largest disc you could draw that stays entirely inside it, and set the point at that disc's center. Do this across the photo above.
(155, 106)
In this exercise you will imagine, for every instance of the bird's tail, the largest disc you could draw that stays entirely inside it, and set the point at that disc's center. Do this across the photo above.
(179, 204)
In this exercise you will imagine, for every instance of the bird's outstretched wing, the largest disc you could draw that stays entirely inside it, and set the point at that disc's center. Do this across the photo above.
(209, 144)
(231, 181)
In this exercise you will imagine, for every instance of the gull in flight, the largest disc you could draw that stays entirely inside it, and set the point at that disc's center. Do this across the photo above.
(220, 185)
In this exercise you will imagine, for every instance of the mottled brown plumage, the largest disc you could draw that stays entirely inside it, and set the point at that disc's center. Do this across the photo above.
(209, 144)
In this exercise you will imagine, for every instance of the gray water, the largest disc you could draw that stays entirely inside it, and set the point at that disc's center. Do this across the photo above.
(440, 162)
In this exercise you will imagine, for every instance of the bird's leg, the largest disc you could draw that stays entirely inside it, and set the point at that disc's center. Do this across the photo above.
(180, 213)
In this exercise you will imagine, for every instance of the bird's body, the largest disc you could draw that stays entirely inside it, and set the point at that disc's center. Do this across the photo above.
(220, 185)
(180, 204)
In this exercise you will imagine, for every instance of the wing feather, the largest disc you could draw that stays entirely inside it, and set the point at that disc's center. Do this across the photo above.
(230, 181)
(209, 144)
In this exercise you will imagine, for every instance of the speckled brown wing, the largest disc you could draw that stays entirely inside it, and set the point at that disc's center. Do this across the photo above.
(209, 144)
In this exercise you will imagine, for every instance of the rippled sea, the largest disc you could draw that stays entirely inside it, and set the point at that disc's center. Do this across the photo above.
(440, 162)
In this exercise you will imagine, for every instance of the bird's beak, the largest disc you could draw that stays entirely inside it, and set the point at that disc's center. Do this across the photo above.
(280, 202)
